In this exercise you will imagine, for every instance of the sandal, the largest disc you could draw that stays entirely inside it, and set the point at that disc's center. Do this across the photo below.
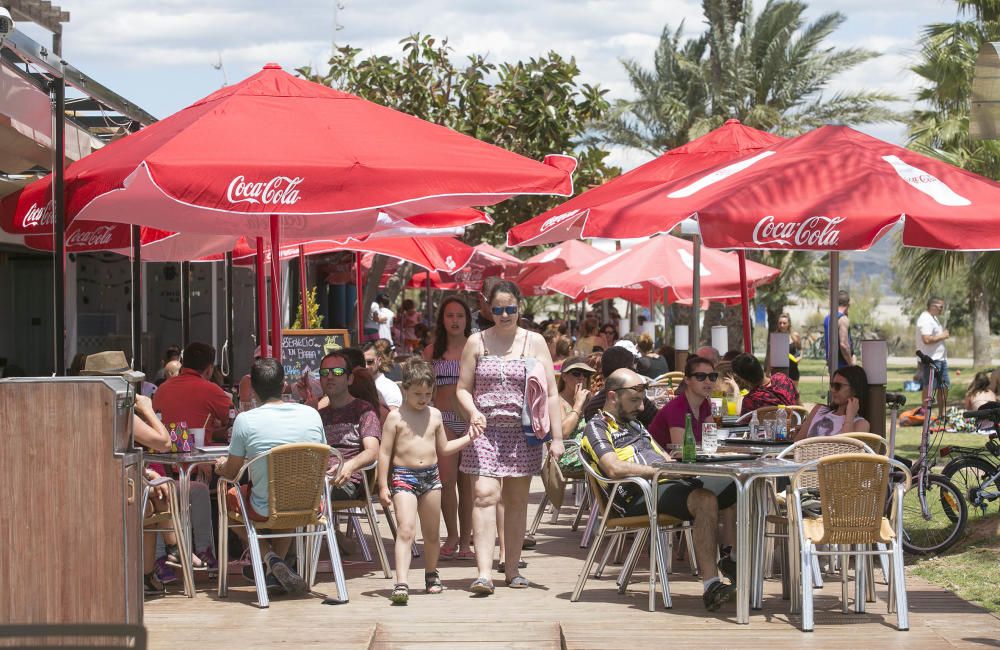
(518, 582)
(448, 552)
(432, 582)
(521, 564)
(465, 555)
(174, 557)
(482, 587)
(400, 593)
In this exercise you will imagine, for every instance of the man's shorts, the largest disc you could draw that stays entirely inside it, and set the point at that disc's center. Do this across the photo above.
(673, 496)
(349, 491)
(941, 377)
(234, 506)
(417, 482)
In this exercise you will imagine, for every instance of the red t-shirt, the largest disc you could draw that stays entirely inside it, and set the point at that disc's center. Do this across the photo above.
(191, 398)
(673, 414)
(780, 390)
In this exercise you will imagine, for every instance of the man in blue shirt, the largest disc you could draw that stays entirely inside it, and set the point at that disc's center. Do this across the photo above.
(845, 356)
(255, 432)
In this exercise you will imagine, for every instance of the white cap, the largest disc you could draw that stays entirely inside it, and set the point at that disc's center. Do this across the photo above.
(628, 345)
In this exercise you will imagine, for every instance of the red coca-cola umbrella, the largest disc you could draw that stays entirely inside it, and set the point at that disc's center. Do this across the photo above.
(537, 269)
(157, 245)
(660, 265)
(281, 156)
(486, 261)
(631, 205)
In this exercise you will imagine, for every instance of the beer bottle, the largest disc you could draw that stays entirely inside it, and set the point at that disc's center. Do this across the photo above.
(689, 452)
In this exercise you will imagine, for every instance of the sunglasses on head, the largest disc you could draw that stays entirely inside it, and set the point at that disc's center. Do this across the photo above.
(336, 372)
(637, 387)
(702, 376)
(510, 310)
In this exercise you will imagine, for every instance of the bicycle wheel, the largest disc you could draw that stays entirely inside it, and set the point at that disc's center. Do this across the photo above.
(968, 473)
(946, 514)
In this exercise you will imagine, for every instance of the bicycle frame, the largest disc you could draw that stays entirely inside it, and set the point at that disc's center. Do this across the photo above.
(922, 466)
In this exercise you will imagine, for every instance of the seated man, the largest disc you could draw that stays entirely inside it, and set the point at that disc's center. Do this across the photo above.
(351, 425)
(617, 357)
(620, 446)
(254, 432)
(192, 399)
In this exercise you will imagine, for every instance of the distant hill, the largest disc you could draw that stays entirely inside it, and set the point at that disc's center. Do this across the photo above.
(874, 262)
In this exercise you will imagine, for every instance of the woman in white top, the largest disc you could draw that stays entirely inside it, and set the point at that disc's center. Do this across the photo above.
(848, 398)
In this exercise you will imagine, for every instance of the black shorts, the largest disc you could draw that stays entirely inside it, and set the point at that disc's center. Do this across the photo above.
(673, 496)
(349, 491)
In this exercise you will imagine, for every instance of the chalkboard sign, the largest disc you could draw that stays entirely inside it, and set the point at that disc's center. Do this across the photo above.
(304, 349)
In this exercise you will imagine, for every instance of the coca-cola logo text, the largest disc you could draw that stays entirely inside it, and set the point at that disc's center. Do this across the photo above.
(280, 190)
(38, 215)
(100, 236)
(552, 222)
(814, 232)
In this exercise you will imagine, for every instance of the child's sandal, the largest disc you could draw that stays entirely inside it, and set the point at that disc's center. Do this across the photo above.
(432, 582)
(400, 593)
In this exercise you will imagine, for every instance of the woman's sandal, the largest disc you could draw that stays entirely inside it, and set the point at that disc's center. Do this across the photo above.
(432, 582)
(448, 552)
(482, 587)
(465, 555)
(518, 582)
(400, 593)
(174, 557)
(521, 564)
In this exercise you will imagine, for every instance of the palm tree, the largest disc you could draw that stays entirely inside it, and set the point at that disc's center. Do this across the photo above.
(947, 64)
(769, 71)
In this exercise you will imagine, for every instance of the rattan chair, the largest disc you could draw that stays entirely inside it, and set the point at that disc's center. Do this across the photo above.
(613, 526)
(794, 411)
(363, 506)
(158, 522)
(674, 376)
(854, 489)
(297, 507)
(578, 479)
(874, 441)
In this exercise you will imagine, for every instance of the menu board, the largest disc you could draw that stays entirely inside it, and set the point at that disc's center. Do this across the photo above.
(302, 350)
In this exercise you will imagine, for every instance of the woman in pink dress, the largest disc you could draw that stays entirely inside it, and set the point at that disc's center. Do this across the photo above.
(490, 390)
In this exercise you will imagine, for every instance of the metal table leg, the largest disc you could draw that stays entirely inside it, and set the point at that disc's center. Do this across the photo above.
(742, 554)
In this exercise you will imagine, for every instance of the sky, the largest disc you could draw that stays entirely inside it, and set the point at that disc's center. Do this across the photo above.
(165, 54)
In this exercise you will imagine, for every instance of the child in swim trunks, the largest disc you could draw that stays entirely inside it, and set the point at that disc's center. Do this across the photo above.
(412, 438)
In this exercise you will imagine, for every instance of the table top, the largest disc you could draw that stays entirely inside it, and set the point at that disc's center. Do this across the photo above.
(737, 469)
(204, 455)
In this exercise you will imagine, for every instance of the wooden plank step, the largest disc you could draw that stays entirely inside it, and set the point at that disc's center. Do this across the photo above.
(528, 635)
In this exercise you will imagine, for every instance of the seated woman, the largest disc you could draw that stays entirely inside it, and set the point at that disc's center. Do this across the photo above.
(651, 364)
(979, 392)
(848, 398)
(762, 391)
(573, 396)
(727, 384)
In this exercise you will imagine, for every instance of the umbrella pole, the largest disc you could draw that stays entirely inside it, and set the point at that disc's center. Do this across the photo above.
(185, 303)
(275, 287)
(230, 338)
(136, 299)
(359, 301)
(833, 335)
(261, 299)
(59, 225)
(745, 302)
(694, 341)
(430, 303)
(303, 289)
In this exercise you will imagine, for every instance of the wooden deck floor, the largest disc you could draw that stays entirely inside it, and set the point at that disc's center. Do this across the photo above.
(543, 617)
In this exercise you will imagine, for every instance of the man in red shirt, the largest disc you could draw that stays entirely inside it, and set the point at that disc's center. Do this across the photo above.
(191, 399)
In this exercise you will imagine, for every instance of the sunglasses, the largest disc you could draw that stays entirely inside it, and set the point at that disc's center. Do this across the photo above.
(638, 387)
(509, 310)
(702, 376)
(837, 385)
(579, 374)
(370, 362)
(336, 372)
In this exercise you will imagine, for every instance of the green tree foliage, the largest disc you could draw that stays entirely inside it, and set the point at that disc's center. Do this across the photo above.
(314, 319)
(941, 128)
(534, 108)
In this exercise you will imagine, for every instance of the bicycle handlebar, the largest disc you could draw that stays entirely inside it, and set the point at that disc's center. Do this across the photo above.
(895, 399)
(993, 415)
(924, 359)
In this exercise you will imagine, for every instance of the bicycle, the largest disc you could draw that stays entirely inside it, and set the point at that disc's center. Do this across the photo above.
(934, 509)
(976, 470)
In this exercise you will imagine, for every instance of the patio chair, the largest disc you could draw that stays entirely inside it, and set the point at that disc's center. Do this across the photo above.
(297, 507)
(613, 526)
(363, 506)
(169, 519)
(795, 412)
(854, 493)
(675, 376)
(874, 441)
(573, 477)
(776, 529)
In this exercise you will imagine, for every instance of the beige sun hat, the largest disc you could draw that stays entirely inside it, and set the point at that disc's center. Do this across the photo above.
(112, 362)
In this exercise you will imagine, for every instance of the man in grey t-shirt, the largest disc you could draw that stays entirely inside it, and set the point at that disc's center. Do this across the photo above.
(272, 424)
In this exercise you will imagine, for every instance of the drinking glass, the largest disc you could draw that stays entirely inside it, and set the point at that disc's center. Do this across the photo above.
(717, 412)
(709, 438)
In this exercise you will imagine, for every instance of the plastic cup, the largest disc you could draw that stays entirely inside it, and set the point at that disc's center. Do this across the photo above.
(199, 437)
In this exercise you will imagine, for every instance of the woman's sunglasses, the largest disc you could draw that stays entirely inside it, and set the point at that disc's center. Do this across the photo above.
(510, 310)
(336, 372)
(702, 376)
(838, 385)
(579, 374)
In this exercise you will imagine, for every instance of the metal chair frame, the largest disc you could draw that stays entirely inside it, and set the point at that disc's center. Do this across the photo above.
(171, 515)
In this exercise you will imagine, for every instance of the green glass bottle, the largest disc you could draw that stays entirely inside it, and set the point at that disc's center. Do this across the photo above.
(689, 452)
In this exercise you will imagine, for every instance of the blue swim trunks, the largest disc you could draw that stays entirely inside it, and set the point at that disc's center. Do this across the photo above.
(417, 482)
